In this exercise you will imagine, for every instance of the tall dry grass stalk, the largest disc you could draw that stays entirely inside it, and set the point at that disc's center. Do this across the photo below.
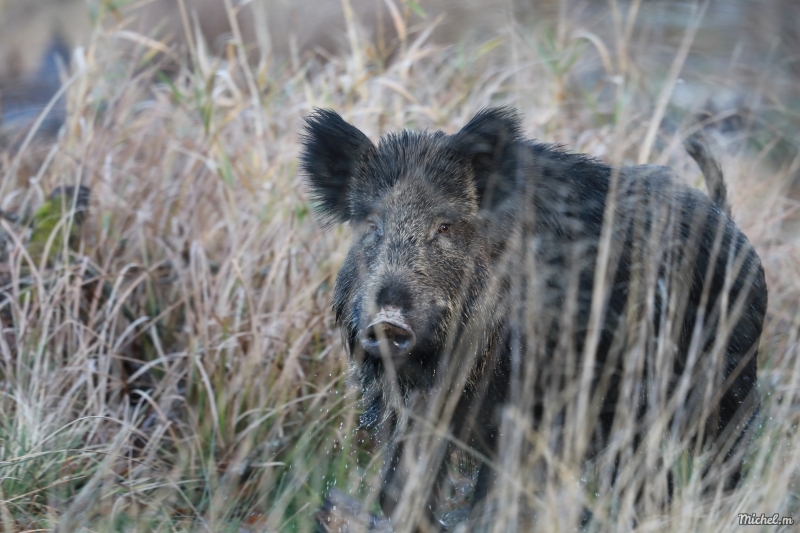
(176, 368)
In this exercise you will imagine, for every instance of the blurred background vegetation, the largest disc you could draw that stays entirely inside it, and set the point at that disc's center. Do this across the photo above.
(168, 360)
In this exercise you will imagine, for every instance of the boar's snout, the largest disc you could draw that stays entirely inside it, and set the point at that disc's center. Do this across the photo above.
(388, 334)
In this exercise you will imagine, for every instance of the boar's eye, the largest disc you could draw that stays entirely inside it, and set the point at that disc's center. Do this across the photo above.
(372, 227)
(444, 229)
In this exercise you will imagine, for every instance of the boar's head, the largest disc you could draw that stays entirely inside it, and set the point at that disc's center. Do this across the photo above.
(426, 212)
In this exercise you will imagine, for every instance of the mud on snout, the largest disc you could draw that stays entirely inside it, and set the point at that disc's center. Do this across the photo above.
(388, 336)
(399, 333)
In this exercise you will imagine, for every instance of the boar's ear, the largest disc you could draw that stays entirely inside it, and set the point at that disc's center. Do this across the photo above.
(490, 142)
(332, 150)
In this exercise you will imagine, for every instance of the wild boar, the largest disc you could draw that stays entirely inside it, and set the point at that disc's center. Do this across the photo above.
(486, 268)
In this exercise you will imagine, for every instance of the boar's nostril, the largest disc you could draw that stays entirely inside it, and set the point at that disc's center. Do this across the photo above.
(403, 339)
(387, 338)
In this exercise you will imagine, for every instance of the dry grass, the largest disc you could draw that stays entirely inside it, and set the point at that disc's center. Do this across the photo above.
(178, 369)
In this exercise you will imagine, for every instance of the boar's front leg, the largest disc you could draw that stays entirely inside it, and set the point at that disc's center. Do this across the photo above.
(396, 477)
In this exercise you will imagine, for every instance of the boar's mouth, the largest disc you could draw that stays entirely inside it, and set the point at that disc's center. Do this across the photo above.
(388, 336)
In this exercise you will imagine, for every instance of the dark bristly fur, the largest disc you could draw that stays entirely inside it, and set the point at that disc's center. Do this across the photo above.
(333, 149)
(483, 248)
